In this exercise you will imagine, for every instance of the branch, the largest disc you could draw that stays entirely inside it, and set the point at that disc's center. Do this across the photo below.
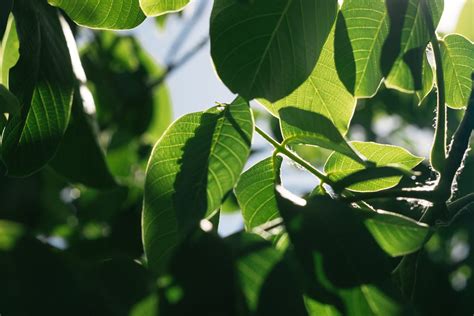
(426, 195)
(183, 60)
(458, 149)
(283, 150)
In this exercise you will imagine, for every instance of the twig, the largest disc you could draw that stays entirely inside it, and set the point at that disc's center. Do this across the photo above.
(172, 67)
(283, 150)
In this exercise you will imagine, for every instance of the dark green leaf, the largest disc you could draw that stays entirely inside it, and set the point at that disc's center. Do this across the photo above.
(100, 14)
(265, 277)
(160, 7)
(339, 166)
(8, 102)
(265, 49)
(79, 157)
(191, 170)
(457, 54)
(202, 279)
(361, 30)
(42, 80)
(5, 9)
(255, 192)
(322, 93)
(311, 128)
(336, 249)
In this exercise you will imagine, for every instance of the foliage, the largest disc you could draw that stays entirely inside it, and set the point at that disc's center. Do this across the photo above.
(108, 208)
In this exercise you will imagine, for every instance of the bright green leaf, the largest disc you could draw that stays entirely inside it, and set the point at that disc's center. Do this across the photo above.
(103, 14)
(191, 170)
(310, 128)
(255, 192)
(457, 54)
(160, 7)
(267, 49)
(339, 166)
(42, 80)
(404, 49)
(322, 93)
(9, 52)
(361, 30)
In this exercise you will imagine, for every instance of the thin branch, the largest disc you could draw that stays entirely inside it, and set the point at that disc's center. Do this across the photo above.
(185, 31)
(459, 147)
(283, 150)
(183, 60)
(426, 195)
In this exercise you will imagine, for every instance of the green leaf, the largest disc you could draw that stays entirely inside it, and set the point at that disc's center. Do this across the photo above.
(123, 76)
(464, 26)
(337, 252)
(202, 279)
(404, 49)
(268, 285)
(42, 80)
(5, 9)
(397, 235)
(8, 102)
(457, 54)
(361, 30)
(339, 166)
(79, 157)
(103, 14)
(322, 93)
(255, 192)
(191, 170)
(263, 50)
(160, 7)
(311, 128)
(9, 51)
(370, 173)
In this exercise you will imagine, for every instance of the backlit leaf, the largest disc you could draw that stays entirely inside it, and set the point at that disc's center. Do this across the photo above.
(361, 29)
(159, 7)
(396, 234)
(191, 170)
(322, 93)
(267, 49)
(42, 80)
(255, 192)
(457, 54)
(339, 166)
(103, 14)
(404, 49)
(310, 128)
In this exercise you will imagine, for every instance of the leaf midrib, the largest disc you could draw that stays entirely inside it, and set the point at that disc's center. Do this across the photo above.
(270, 42)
